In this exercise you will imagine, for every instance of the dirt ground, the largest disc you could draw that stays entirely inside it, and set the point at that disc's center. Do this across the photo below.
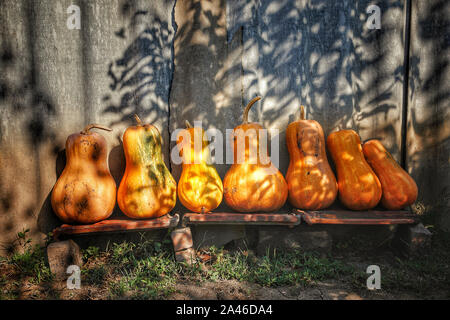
(329, 290)
(232, 290)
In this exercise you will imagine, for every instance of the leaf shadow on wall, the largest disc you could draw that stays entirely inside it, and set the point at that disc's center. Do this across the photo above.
(322, 55)
(140, 79)
(141, 76)
(428, 123)
(31, 111)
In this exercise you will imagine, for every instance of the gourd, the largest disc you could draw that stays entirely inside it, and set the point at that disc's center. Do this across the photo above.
(147, 189)
(312, 184)
(359, 187)
(251, 184)
(85, 192)
(200, 188)
(399, 189)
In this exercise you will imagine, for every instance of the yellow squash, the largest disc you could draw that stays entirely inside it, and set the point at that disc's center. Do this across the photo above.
(399, 188)
(252, 185)
(359, 187)
(200, 188)
(312, 184)
(147, 189)
(85, 192)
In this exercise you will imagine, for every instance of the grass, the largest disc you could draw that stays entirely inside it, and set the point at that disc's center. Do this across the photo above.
(32, 263)
(28, 266)
(282, 268)
(146, 270)
(154, 276)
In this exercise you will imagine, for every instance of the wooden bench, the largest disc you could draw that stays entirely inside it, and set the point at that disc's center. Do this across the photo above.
(117, 225)
(410, 236)
(281, 219)
(62, 254)
(371, 217)
(182, 237)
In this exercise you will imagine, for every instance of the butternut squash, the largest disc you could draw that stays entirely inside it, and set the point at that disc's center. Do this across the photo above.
(147, 189)
(252, 184)
(399, 189)
(85, 192)
(312, 184)
(200, 188)
(359, 187)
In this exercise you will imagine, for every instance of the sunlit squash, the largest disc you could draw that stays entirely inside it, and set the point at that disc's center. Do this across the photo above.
(147, 189)
(252, 183)
(85, 192)
(359, 187)
(200, 188)
(312, 184)
(399, 189)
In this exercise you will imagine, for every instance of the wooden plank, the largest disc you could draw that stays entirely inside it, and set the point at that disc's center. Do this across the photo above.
(116, 225)
(287, 219)
(371, 217)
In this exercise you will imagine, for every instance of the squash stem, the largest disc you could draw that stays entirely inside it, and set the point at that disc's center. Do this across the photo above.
(247, 108)
(188, 124)
(138, 120)
(302, 113)
(94, 125)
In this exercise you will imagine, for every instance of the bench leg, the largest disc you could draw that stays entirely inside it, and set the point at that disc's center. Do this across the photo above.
(183, 245)
(411, 239)
(61, 255)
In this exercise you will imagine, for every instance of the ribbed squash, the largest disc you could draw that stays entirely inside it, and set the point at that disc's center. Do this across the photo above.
(200, 188)
(399, 189)
(312, 184)
(85, 192)
(252, 185)
(147, 189)
(359, 187)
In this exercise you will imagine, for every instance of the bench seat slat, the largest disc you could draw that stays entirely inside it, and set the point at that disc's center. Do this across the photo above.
(115, 225)
(287, 219)
(371, 217)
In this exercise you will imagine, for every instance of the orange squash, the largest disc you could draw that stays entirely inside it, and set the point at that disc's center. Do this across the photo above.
(147, 189)
(399, 189)
(85, 192)
(251, 184)
(312, 184)
(359, 187)
(200, 188)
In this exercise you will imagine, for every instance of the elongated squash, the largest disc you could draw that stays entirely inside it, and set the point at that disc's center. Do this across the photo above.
(312, 184)
(200, 188)
(399, 189)
(359, 187)
(147, 189)
(252, 183)
(85, 192)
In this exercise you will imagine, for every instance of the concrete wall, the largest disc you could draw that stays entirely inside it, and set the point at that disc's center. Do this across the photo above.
(203, 60)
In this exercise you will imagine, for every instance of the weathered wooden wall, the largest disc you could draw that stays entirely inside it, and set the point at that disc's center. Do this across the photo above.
(201, 60)
(54, 81)
(428, 119)
(322, 55)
